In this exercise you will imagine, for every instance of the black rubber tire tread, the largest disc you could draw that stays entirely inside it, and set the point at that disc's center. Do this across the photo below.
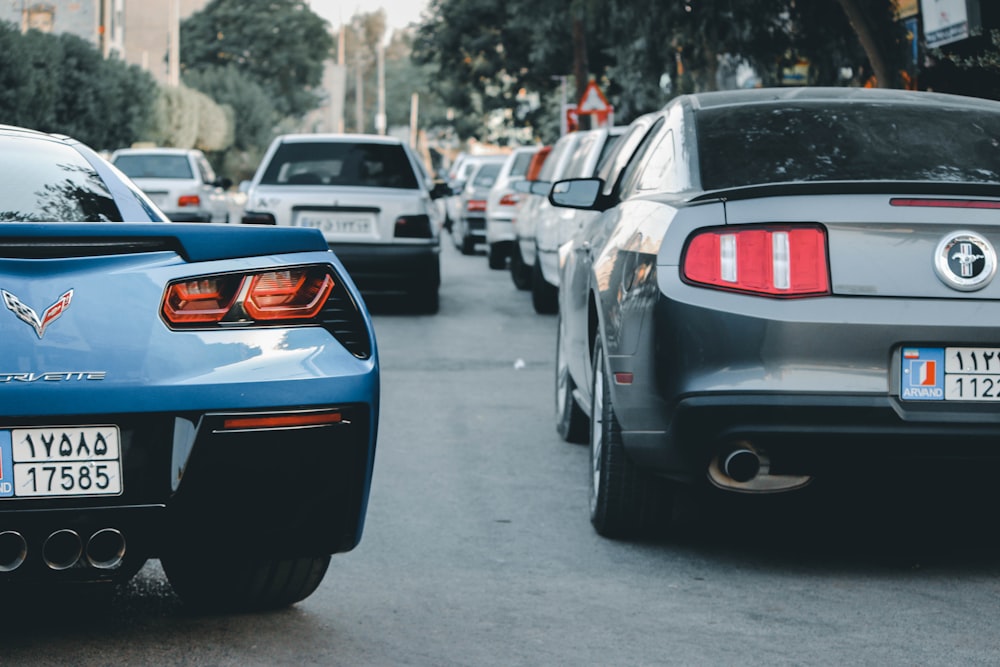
(571, 421)
(468, 245)
(227, 584)
(497, 260)
(519, 272)
(630, 502)
(544, 296)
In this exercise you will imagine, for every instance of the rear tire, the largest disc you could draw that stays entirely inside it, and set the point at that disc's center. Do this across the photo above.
(218, 582)
(468, 245)
(497, 258)
(544, 295)
(571, 421)
(427, 301)
(519, 272)
(625, 501)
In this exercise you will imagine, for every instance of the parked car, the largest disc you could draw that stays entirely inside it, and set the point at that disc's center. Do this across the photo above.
(179, 181)
(554, 226)
(786, 280)
(501, 203)
(172, 391)
(470, 225)
(369, 197)
(520, 273)
(458, 177)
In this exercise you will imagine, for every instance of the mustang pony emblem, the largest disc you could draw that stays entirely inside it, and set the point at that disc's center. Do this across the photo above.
(29, 316)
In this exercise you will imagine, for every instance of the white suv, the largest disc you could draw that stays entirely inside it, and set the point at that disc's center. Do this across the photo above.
(370, 198)
(179, 181)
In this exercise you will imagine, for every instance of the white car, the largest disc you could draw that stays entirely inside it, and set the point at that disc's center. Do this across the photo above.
(469, 226)
(501, 204)
(370, 198)
(180, 181)
(555, 225)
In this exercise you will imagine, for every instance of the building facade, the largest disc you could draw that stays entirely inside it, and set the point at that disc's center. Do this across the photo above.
(100, 22)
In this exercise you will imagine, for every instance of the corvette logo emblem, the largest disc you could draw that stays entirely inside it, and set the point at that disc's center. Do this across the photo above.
(30, 317)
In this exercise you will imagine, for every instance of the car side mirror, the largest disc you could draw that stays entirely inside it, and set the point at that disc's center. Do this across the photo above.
(540, 188)
(440, 189)
(582, 193)
(244, 187)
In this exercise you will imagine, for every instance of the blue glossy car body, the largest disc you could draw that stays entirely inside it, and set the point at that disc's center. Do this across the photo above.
(220, 450)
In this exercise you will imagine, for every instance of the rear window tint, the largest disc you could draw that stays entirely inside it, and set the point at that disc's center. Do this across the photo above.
(46, 181)
(487, 175)
(520, 165)
(340, 163)
(846, 142)
(155, 166)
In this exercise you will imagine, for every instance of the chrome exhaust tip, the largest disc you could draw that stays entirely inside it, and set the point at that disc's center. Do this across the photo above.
(62, 549)
(105, 549)
(13, 550)
(741, 465)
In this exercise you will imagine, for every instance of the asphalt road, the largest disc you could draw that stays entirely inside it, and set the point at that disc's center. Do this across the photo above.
(478, 550)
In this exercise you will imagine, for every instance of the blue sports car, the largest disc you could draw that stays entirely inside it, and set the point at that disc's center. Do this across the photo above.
(205, 395)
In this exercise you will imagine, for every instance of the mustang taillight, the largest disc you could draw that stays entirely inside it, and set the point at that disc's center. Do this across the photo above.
(774, 260)
(268, 296)
(510, 199)
(189, 200)
(476, 205)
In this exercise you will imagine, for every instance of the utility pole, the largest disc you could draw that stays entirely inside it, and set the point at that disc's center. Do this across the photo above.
(380, 119)
(174, 54)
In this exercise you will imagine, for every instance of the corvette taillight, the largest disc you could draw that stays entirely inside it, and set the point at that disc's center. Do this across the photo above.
(476, 205)
(201, 300)
(268, 296)
(773, 260)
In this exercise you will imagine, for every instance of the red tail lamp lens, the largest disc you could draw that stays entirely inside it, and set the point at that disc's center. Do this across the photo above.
(510, 199)
(770, 260)
(476, 205)
(203, 300)
(290, 294)
(189, 200)
(282, 421)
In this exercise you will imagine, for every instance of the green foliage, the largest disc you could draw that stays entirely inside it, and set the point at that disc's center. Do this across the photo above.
(280, 44)
(60, 83)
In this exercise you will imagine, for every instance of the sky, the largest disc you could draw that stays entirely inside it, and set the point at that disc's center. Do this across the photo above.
(399, 13)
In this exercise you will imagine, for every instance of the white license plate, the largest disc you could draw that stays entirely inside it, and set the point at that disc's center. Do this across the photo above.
(346, 224)
(60, 461)
(951, 374)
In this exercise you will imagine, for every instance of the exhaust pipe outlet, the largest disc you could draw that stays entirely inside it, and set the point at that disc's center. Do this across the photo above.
(62, 549)
(105, 549)
(13, 550)
(741, 465)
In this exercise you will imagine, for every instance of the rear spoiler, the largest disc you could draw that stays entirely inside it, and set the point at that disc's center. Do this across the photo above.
(851, 188)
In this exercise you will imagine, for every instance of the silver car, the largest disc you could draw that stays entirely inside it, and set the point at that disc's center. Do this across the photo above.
(369, 197)
(469, 226)
(781, 283)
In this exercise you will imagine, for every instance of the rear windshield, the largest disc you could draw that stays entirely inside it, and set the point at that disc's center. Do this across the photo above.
(487, 175)
(521, 163)
(155, 166)
(340, 163)
(853, 142)
(46, 181)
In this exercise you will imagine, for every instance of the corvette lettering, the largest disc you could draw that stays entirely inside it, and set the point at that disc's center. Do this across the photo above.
(57, 376)
(30, 317)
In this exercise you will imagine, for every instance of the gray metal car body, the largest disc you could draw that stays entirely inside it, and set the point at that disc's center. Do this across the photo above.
(686, 376)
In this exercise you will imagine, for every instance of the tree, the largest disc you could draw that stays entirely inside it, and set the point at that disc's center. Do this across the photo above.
(281, 44)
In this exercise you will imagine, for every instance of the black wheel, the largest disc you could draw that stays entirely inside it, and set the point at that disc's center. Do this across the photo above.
(544, 296)
(426, 301)
(519, 272)
(468, 245)
(243, 584)
(625, 502)
(571, 421)
(496, 257)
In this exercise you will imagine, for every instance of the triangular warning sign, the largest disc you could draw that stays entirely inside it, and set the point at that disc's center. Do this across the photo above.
(593, 100)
